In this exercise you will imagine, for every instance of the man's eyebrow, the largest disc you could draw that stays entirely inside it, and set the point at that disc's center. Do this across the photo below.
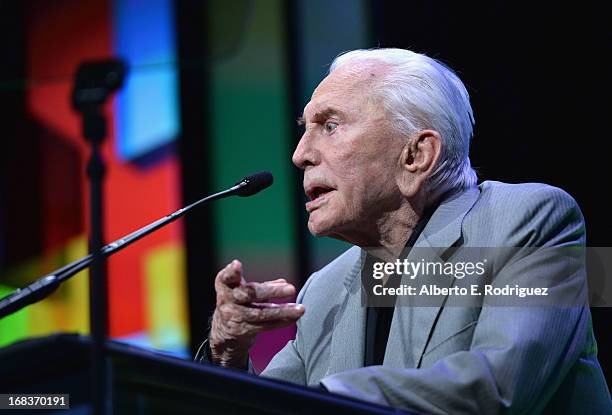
(320, 115)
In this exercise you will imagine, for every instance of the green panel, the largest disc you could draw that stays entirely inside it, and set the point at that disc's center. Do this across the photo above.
(251, 131)
(14, 327)
(328, 28)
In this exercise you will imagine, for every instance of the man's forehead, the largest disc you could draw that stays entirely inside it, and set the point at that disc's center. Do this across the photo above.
(350, 77)
(347, 83)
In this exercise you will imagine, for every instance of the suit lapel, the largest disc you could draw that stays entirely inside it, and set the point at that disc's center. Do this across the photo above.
(411, 326)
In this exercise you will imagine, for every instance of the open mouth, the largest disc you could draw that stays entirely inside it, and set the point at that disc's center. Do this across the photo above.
(317, 192)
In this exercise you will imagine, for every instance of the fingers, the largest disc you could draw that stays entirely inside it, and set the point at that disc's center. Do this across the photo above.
(230, 276)
(262, 292)
(270, 314)
(232, 287)
(241, 319)
(243, 310)
(235, 327)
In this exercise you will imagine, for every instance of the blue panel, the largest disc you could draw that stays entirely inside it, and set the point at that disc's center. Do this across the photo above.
(146, 109)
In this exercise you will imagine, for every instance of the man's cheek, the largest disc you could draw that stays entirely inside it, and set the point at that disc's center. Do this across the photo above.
(337, 205)
(350, 205)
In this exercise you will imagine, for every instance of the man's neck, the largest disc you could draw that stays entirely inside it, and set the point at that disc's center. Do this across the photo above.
(394, 232)
(387, 234)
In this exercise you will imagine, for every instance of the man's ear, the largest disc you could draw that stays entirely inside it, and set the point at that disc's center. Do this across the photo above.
(417, 161)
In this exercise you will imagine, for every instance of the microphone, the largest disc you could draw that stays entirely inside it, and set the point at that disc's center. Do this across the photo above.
(46, 285)
(254, 183)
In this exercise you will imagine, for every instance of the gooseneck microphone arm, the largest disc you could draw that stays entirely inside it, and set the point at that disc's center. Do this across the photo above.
(44, 286)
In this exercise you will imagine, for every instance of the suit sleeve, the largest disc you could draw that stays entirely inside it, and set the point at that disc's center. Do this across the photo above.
(288, 364)
(518, 356)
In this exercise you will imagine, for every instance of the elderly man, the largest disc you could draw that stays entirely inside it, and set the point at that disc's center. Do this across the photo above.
(385, 155)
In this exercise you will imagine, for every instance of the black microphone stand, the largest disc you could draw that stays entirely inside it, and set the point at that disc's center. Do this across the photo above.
(94, 82)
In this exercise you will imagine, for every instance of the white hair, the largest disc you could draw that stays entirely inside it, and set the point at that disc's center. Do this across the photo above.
(420, 93)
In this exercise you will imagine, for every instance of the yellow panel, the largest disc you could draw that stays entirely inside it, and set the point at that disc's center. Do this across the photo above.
(65, 310)
(166, 294)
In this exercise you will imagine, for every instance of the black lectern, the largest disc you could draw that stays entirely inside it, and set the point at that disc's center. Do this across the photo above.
(147, 382)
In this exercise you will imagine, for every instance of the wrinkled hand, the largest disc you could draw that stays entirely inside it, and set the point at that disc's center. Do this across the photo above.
(243, 310)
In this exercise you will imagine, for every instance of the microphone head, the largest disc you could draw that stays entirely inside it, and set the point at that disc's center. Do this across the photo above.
(254, 183)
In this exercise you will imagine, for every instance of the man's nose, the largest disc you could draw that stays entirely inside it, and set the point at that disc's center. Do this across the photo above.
(304, 154)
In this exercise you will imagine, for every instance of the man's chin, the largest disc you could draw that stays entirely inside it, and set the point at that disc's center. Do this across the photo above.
(316, 231)
(317, 228)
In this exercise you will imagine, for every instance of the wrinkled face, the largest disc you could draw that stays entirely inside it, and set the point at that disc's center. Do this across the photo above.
(350, 155)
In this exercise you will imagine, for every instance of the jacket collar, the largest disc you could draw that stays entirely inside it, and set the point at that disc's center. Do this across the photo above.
(348, 339)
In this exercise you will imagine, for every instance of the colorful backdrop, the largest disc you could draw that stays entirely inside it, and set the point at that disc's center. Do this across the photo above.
(251, 100)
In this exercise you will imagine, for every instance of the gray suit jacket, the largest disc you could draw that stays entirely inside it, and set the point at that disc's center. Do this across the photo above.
(442, 359)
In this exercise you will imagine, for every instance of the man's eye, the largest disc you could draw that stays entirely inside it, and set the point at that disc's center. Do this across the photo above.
(330, 126)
